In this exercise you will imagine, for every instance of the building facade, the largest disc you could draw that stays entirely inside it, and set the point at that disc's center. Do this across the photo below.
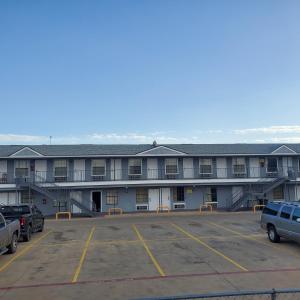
(90, 179)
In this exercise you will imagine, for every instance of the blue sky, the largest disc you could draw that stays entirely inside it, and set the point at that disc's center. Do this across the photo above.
(133, 71)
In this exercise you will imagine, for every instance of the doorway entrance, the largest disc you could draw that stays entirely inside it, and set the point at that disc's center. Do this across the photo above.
(159, 197)
(96, 201)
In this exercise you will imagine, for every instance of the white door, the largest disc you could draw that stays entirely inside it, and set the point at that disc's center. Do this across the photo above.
(165, 197)
(76, 195)
(79, 170)
(237, 193)
(153, 195)
(152, 168)
(40, 170)
(188, 168)
(221, 167)
(116, 169)
(254, 167)
(287, 164)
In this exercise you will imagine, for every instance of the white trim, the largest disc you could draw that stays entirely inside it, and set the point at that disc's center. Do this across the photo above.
(91, 198)
(102, 175)
(129, 174)
(67, 166)
(283, 146)
(175, 152)
(26, 148)
(276, 165)
(211, 167)
(28, 173)
(166, 167)
(140, 204)
(178, 203)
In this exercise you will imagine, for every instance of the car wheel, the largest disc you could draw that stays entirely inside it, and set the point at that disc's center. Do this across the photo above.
(27, 236)
(12, 248)
(41, 228)
(273, 235)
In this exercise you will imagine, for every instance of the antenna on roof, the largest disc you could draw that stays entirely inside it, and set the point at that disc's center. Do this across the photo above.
(154, 144)
(50, 139)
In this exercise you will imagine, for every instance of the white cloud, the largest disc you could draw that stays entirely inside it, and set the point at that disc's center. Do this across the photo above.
(19, 138)
(291, 139)
(269, 130)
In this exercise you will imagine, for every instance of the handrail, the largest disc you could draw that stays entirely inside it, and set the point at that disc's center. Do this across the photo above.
(40, 177)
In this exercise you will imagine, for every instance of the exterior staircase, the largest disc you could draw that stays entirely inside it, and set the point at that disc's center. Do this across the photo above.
(241, 198)
(36, 186)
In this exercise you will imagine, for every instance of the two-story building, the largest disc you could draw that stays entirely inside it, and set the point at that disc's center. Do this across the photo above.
(93, 178)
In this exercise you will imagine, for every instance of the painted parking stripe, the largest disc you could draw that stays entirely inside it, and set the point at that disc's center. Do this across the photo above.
(83, 255)
(198, 240)
(249, 237)
(155, 262)
(24, 251)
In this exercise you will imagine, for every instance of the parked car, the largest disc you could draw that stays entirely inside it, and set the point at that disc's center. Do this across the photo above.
(9, 235)
(281, 219)
(31, 219)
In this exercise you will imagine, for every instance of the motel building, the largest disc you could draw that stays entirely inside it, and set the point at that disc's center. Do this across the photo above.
(90, 179)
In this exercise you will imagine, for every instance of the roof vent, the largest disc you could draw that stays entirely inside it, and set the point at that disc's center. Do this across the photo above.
(154, 144)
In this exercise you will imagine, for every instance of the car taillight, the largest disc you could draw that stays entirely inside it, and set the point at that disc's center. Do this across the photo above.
(22, 221)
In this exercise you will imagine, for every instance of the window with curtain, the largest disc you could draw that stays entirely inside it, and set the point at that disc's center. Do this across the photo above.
(134, 167)
(205, 166)
(98, 167)
(60, 168)
(178, 194)
(21, 168)
(239, 165)
(141, 196)
(171, 166)
(112, 198)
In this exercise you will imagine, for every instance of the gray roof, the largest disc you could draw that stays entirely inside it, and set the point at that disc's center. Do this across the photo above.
(122, 149)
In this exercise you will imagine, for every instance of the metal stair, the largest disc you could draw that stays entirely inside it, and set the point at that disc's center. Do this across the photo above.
(83, 208)
(241, 198)
(36, 186)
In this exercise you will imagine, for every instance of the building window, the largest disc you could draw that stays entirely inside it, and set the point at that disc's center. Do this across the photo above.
(26, 197)
(272, 165)
(141, 196)
(239, 165)
(205, 166)
(171, 166)
(178, 194)
(98, 167)
(21, 168)
(135, 167)
(60, 168)
(278, 193)
(112, 198)
(211, 195)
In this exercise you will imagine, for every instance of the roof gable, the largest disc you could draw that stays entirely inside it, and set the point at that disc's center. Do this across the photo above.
(26, 152)
(161, 150)
(283, 150)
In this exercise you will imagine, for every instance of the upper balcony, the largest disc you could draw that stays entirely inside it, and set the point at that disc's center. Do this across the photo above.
(136, 174)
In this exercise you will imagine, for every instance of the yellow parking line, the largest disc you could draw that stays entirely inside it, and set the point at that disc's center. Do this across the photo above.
(22, 252)
(83, 255)
(251, 237)
(155, 262)
(209, 247)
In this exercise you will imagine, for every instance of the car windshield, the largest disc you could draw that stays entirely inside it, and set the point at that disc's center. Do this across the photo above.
(14, 210)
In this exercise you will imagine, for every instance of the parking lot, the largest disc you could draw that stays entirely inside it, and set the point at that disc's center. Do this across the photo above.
(127, 257)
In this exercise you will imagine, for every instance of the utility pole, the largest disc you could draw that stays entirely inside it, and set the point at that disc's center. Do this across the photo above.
(50, 139)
